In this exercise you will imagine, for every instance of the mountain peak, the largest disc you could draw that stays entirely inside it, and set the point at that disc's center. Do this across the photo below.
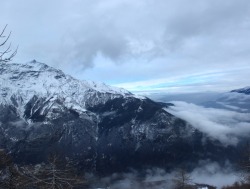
(33, 61)
(39, 79)
(103, 128)
(245, 90)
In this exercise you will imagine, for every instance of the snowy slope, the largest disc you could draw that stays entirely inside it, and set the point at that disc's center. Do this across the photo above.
(103, 128)
(23, 81)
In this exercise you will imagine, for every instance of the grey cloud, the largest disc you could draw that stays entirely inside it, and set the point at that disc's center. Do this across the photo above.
(94, 20)
(163, 37)
(205, 21)
(86, 48)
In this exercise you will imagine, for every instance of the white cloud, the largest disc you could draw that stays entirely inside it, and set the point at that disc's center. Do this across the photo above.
(206, 172)
(213, 174)
(139, 40)
(224, 125)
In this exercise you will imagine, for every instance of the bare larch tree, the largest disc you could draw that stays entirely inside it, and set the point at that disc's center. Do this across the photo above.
(11, 176)
(182, 179)
(57, 174)
(245, 165)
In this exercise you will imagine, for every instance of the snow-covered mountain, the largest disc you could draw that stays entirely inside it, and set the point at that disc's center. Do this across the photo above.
(21, 82)
(43, 110)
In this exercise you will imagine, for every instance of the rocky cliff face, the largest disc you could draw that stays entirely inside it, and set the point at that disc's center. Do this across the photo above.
(106, 129)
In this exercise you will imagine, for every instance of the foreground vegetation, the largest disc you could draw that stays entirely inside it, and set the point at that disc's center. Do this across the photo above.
(60, 173)
(57, 173)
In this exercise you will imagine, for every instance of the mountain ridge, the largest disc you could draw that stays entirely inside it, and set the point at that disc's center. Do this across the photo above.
(102, 128)
(245, 90)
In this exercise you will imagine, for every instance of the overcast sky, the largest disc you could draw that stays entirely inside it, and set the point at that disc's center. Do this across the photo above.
(163, 45)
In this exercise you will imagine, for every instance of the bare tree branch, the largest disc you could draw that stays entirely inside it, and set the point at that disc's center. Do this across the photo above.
(5, 54)
(1, 35)
(182, 179)
(58, 173)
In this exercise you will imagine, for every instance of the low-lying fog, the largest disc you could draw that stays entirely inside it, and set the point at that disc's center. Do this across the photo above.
(206, 173)
(226, 125)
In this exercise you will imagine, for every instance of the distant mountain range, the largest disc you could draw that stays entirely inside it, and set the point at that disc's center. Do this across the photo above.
(236, 100)
(101, 128)
(245, 90)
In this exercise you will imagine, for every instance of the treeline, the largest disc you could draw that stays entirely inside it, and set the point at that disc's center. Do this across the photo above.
(60, 173)
(244, 166)
(57, 173)
(238, 185)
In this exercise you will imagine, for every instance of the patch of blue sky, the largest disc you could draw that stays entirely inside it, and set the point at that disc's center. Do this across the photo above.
(184, 81)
